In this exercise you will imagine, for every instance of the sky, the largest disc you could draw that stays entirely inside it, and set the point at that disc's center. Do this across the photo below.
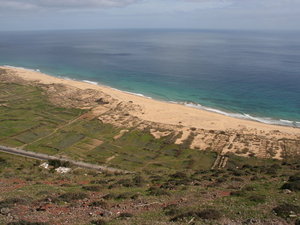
(143, 14)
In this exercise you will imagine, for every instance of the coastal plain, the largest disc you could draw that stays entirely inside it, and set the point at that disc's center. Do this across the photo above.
(205, 130)
(188, 166)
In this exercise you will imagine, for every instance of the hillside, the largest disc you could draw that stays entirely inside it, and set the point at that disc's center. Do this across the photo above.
(169, 183)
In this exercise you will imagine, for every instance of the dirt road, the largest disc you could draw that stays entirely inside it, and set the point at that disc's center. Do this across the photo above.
(40, 156)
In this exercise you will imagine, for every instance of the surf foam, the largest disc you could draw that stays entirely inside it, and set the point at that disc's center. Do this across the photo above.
(266, 120)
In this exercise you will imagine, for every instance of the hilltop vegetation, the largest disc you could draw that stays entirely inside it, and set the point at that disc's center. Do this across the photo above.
(170, 184)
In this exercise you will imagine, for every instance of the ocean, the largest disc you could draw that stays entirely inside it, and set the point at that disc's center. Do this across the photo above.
(246, 74)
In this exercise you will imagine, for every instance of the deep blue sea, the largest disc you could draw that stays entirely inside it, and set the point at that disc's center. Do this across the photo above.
(246, 74)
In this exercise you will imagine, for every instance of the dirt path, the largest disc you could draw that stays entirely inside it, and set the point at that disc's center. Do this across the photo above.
(40, 156)
(56, 129)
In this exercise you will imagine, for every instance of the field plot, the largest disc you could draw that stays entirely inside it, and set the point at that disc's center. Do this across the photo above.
(30, 121)
(26, 115)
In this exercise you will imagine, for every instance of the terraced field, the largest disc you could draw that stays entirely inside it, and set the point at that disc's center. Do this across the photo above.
(28, 120)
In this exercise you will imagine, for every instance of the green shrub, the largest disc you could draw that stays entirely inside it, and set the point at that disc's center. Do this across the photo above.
(292, 185)
(271, 171)
(184, 216)
(125, 215)
(168, 185)
(100, 181)
(221, 180)
(276, 166)
(98, 222)
(285, 210)
(209, 214)
(171, 210)
(124, 195)
(11, 201)
(239, 179)
(23, 222)
(237, 173)
(92, 188)
(249, 188)
(295, 177)
(157, 191)
(110, 196)
(176, 182)
(2, 162)
(135, 196)
(257, 198)
(238, 193)
(254, 178)
(101, 204)
(179, 175)
(156, 179)
(126, 183)
(139, 180)
(72, 196)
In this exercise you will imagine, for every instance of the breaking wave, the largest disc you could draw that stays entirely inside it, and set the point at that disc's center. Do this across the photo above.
(266, 120)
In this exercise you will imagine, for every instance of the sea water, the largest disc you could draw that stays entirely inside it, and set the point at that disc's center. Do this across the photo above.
(246, 74)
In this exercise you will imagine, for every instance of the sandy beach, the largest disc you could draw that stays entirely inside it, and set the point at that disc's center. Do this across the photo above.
(168, 116)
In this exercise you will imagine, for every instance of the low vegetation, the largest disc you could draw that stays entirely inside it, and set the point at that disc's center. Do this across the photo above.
(163, 188)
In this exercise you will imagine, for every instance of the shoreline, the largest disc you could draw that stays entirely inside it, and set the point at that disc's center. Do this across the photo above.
(190, 104)
(159, 111)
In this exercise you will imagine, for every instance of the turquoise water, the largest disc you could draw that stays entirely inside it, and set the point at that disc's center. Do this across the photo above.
(252, 75)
